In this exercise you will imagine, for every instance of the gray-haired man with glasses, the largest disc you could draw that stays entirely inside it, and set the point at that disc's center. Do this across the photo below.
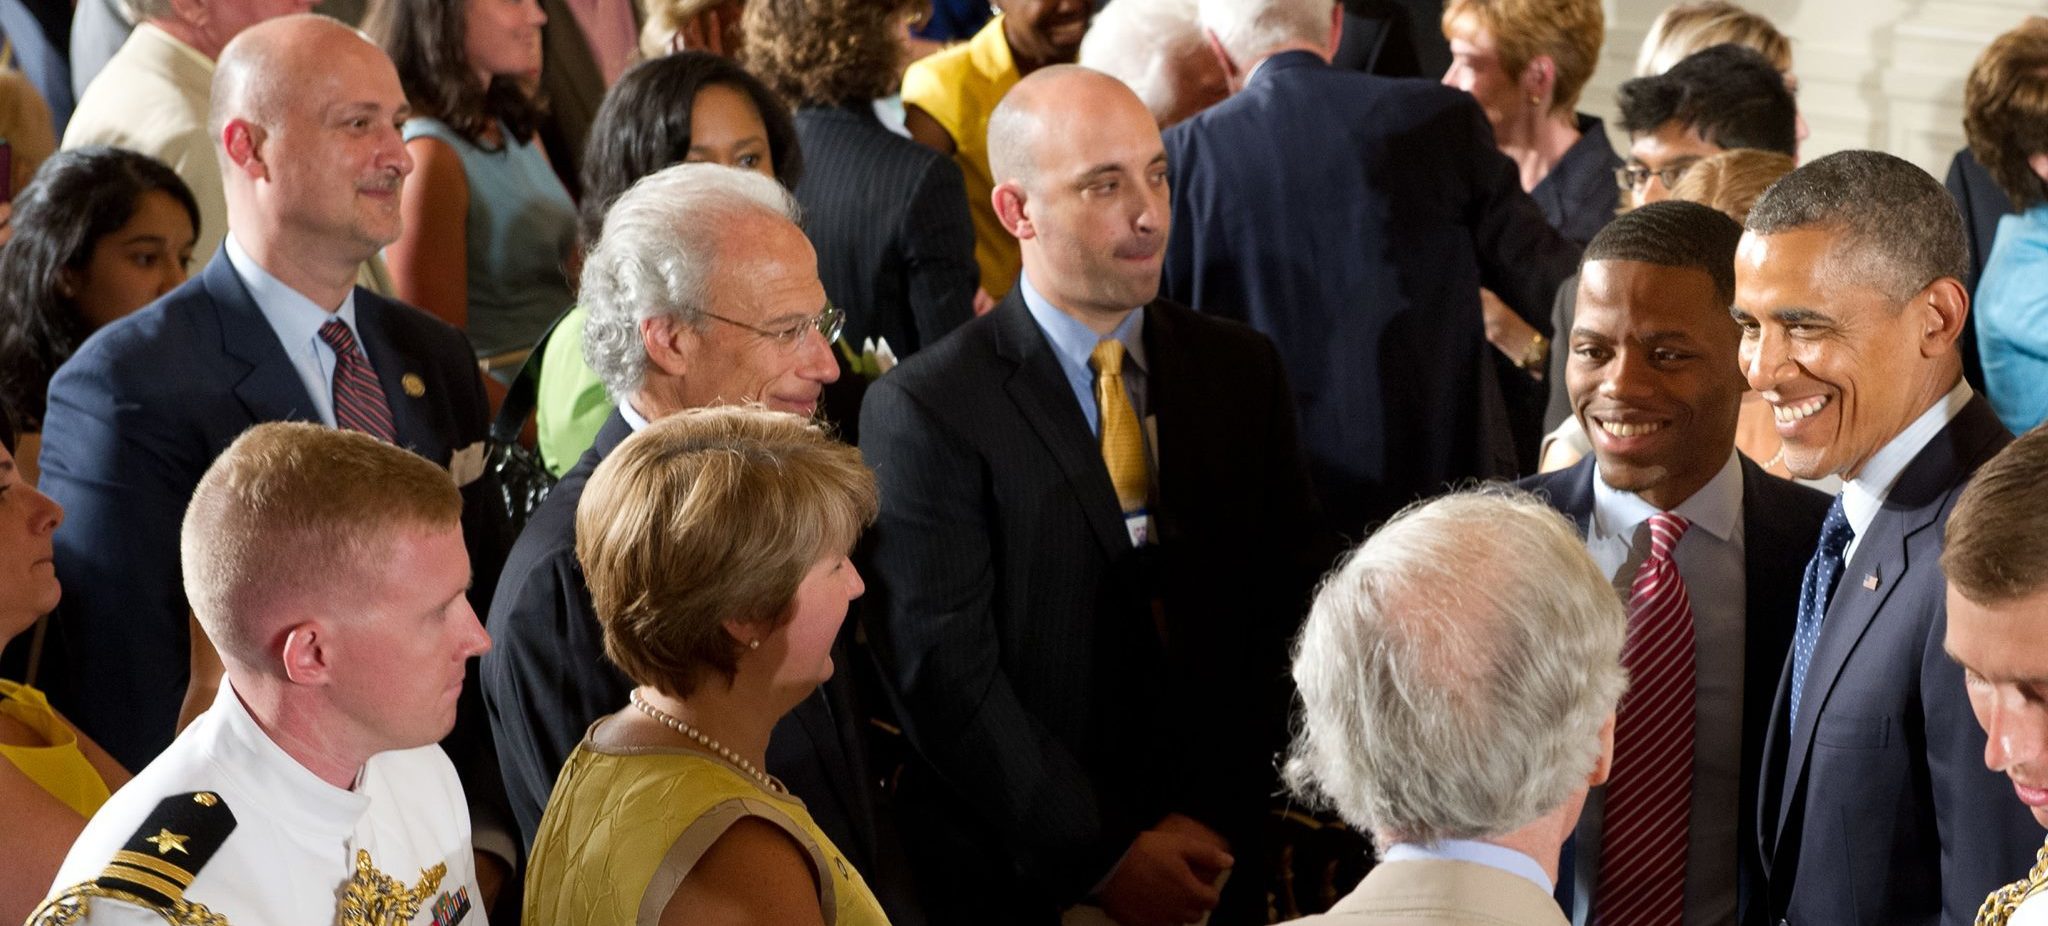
(701, 291)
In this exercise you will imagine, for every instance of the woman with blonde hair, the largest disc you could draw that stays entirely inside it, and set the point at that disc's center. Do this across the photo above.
(1694, 25)
(715, 545)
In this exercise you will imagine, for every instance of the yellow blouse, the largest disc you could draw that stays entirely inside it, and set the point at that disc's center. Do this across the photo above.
(960, 87)
(59, 767)
(624, 826)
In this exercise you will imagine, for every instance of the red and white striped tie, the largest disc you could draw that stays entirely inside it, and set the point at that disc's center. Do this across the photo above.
(358, 401)
(1649, 793)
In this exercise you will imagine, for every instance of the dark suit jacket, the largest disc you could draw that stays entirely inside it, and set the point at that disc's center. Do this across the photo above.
(1982, 204)
(1877, 807)
(134, 419)
(1353, 219)
(1780, 527)
(547, 679)
(889, 219)
(1057, 713)
(573, 86)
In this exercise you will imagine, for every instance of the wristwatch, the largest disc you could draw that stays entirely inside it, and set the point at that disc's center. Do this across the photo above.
(1535, 354)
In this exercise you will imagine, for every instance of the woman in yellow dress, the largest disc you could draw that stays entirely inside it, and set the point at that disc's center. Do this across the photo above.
(715, 546)
(53, 777)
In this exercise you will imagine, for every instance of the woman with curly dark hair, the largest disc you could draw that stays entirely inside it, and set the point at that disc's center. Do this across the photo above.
(98, 233)
(888, 216)
(732, 119)
(490, 232)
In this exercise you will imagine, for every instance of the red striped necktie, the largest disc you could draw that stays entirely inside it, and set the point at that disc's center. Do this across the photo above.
(1649, 794)
(358, 401)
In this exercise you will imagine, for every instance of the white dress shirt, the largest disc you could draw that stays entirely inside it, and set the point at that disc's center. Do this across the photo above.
(1865, 494)
(297, 320)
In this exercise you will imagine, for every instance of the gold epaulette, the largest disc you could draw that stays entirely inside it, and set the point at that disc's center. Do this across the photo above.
(2004, 902)
(155, 867)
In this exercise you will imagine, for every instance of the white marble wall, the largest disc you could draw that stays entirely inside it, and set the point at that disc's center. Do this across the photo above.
(1885, 74)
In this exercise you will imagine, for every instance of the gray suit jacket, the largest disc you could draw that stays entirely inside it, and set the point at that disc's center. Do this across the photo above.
(1442, 894)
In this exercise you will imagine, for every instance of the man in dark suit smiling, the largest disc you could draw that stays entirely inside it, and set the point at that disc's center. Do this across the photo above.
(1093, 547)
(1875, 803)
(1652, 377)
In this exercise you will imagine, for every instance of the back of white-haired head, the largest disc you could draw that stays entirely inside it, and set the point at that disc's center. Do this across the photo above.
(1137, 42)
(662, 239)
(1249, 29)
(1456, 670)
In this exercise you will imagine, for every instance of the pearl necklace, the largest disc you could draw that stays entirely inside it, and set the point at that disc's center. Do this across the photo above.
(768, 782)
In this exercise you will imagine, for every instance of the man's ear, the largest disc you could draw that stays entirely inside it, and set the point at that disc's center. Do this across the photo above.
(669, 344)
(1605, 764)
(308, 658)
(1009, 198)
(1943, 306)
(1232, 74)
(243, 142)
(1336, 32)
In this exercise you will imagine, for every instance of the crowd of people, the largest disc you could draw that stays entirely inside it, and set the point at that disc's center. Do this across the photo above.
(1147, 462)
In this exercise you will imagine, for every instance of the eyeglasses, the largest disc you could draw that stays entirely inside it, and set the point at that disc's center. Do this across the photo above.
(1636, 177)
(829, 323)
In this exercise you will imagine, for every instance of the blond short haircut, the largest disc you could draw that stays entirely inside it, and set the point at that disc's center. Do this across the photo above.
(708, 516)
(1733, 180)
(1456, 670)
(1995, 550)
(1568, 31)
(1695, 25)
(295, 512)
(2005, 110)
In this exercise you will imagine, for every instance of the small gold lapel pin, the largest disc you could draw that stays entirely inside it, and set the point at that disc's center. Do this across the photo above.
(413, 384)
(1870, 581)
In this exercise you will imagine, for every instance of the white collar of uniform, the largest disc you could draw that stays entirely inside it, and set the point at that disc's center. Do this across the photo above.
(295, 318)
(1865, 494)
(1716, 508)
(150, 32)
(288, 790)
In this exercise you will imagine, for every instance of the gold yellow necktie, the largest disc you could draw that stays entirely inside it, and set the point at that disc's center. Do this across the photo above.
(1123, 446)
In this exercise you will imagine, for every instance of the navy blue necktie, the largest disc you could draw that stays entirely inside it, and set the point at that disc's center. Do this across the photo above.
(1823, 571)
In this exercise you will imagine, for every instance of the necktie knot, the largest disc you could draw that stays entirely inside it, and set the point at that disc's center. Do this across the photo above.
(335, 332)
(1107, 358)
(1835, 532)
(1666, 528)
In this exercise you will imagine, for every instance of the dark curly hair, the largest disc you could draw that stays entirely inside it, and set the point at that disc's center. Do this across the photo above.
(826, 52)
(426, 40)
(76, 198)
(644, 126)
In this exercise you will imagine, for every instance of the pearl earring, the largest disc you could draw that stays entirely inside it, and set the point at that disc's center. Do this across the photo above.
(754, 643)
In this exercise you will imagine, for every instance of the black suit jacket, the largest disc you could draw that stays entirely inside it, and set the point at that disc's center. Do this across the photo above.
(1056, 712)
(889, 219)
(1876, 807)
(1353, 219)
(1780, 527)
(134, 419)
(547, 679)
(1982, 204)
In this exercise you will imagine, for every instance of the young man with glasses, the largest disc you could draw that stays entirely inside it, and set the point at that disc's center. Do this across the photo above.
(1720, 98)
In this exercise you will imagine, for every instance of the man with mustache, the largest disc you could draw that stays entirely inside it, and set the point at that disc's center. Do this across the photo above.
(1706, 548)
(305, 118)
(1096, 538)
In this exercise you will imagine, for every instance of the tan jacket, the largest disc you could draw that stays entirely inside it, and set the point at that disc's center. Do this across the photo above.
(1442, 894)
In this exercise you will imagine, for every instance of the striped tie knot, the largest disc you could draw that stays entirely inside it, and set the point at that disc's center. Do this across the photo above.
(359, 403)
(1665, 530)
(337, 336)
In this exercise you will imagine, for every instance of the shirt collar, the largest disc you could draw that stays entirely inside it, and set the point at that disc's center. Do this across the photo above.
(989, 49)
(1716, 508)
(1475, 852)
(1075, 342)
(634, 419)
(192, 55)
(288, 789)
(295, 318)
(1865, 494)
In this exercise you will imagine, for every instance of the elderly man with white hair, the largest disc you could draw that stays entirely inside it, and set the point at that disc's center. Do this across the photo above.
(1458, 677)
(1156, 48)
(702, 291)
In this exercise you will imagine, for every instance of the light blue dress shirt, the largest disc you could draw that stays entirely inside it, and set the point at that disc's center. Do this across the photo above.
(1074, 342)
(297, 320)
(1475, 852)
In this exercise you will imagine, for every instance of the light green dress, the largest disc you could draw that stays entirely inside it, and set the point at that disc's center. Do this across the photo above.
(624, 826)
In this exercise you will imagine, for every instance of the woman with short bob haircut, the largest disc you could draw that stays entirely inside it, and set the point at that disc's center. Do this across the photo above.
(715, 545)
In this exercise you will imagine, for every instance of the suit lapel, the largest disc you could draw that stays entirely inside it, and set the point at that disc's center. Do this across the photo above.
(396, 366)
(1041, 391)
(269, 387)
